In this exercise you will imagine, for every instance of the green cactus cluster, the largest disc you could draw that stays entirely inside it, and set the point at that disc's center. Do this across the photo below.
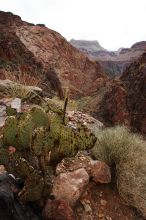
(38, 130)
(18, 130)
(41, 139)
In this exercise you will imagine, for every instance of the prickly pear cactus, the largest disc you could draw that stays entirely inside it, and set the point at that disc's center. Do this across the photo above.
(10, 131)
(24, 131)
(69, 142)
(55, 126)
(86, 139)
(39, 117)
(11, 111)
(34, 182)
(39, 141)
(18, 131)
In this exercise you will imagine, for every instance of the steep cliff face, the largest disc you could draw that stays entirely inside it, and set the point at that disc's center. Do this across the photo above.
(52, 52)
(134, 80)
(113, 62)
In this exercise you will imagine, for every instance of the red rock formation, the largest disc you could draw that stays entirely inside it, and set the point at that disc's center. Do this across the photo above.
(115, 108)
(52, 51)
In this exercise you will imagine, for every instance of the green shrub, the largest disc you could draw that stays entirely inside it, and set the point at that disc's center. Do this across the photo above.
(127, 151)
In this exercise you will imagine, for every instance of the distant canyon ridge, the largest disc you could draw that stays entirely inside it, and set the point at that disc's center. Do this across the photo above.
(113, 62)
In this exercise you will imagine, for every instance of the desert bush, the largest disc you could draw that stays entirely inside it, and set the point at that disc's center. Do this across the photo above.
(127, 151)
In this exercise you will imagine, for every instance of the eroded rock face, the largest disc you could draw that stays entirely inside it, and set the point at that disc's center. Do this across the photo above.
(126, 102)
(52, 50)
(47, 48)
(69, 186)
(17, 62)
(115, 109)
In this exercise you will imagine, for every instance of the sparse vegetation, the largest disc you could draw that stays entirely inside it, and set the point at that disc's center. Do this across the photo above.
(127, 151)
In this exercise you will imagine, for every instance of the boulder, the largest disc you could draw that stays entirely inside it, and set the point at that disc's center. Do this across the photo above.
(69, 186)
(98, 170)
(16, 104)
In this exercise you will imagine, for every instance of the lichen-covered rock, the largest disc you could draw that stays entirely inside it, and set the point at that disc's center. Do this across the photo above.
(69, 186)
(10, 131)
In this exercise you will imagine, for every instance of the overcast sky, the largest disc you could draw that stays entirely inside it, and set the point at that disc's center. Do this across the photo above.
(114, 23)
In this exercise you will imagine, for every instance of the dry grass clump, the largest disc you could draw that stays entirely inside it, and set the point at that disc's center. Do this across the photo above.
(23, 78)
(127, 151)
(19, 91)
